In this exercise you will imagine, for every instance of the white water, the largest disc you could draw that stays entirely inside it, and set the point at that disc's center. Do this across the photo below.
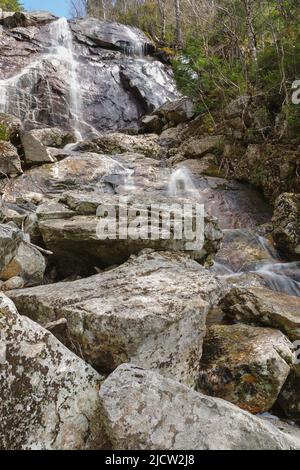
(62, 49)
(137, 47)
(17, 92)
(181, 183)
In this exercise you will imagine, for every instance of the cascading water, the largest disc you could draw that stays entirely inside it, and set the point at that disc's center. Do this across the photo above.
(62, 49)
(17, 95)
(137, 46)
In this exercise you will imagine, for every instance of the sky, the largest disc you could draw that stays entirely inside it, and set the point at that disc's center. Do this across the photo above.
(58, 7)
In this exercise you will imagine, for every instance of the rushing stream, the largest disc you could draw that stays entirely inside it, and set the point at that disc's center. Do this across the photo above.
(246, 251)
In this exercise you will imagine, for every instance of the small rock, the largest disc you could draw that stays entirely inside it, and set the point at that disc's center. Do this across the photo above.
(28, 264)
(15, 282)
(152, 124)
(10, 163)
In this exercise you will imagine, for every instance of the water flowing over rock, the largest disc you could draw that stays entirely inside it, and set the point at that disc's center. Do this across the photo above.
(109, 84)
(49, 397)
(158, 322)
(176, 417)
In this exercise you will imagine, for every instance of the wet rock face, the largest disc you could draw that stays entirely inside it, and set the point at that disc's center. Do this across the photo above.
(158, 321)
(109, 85)
(111, 35)
(245, 365)
(49, 397)
(175, 417)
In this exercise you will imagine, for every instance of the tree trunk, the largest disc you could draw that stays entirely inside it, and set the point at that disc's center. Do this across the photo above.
(251, 30)
(179, 36)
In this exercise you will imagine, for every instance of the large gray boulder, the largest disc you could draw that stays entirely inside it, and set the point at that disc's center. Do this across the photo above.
(286, 224)
(48, 396)
(72, 232)
(158, 321)
(261, 306)
(245, 365)
(146, 411)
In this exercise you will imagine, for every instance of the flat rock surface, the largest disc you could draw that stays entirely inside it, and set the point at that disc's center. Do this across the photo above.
(158, 321)
(147, 411)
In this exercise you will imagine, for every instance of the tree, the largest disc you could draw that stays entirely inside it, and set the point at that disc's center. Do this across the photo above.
(179, 36)
(78, 8)
(10, 5)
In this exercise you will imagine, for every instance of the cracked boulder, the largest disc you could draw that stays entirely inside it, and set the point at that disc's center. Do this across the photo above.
(73, 233)
(48, 396)
(145, 411)
(261, 306)
(244, 365)
(158, 321)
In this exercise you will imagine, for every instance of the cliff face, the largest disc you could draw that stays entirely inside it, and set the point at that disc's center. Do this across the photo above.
(54, 72)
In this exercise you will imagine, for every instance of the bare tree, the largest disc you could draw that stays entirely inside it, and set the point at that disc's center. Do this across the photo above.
(162, 11)
(250, 28)
(78, 8)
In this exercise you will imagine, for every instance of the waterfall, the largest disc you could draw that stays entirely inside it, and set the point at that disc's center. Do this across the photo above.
(136, 47)
(17, 93)
(62, 49)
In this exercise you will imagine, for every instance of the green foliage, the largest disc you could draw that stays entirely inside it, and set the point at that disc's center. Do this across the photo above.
(4, 133)
(11, 5)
